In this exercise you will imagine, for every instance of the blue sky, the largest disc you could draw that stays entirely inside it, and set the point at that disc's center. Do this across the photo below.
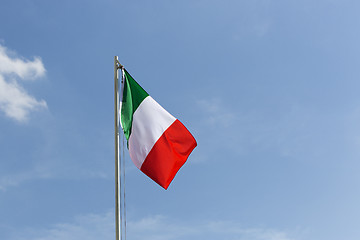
(268, 88)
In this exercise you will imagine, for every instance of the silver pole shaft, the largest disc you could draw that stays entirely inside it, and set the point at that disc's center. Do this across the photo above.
(117, 165)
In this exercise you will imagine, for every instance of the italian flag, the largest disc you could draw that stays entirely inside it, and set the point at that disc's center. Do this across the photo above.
(159, 144)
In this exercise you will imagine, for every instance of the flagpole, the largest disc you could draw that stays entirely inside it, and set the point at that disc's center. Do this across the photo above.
(117, 158)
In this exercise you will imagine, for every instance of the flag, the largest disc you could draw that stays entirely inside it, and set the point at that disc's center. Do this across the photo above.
(158, 143)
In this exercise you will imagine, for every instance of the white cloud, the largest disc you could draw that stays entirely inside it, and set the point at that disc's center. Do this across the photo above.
(15, 102)
(25, 69)
(101, 226)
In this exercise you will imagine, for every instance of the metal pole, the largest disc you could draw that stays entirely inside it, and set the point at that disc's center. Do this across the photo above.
(117, 165)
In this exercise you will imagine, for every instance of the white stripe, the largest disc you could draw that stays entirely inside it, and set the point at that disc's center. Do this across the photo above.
(150, 121)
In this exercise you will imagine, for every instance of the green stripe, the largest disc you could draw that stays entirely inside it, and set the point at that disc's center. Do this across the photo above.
(133, 95)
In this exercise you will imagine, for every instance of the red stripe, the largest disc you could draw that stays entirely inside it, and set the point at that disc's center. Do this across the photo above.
(169, 154)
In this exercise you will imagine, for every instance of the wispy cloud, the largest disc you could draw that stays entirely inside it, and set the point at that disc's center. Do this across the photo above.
(161, 228)
(222, 126)
(101, 226)
(216, 112)
(15, 102)
(90, 227)
(16, 179)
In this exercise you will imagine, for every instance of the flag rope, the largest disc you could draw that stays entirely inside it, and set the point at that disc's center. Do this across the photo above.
(123, 187)
(122, 175)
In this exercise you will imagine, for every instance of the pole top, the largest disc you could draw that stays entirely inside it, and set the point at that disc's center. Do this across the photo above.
(118, 64)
